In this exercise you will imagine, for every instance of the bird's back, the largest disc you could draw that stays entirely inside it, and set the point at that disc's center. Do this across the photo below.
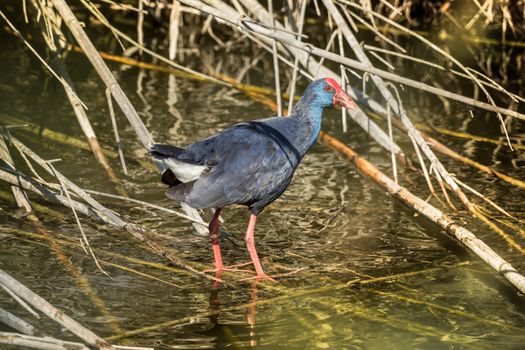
(250, 163)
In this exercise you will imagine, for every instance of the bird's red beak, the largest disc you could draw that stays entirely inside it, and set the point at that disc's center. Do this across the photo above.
(340, 97)
(343, 100)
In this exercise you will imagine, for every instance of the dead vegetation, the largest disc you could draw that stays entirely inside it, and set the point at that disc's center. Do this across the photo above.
(360, 43)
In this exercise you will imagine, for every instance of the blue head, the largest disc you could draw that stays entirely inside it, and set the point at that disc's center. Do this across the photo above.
(318, 95)
(324, 93)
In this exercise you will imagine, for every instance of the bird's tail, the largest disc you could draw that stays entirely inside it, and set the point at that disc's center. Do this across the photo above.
(162, 153)
(165, 151)
(175, 171)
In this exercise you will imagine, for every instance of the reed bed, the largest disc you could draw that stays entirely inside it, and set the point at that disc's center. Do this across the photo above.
(284, 38)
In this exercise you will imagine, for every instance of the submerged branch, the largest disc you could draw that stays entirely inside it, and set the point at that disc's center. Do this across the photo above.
(463, 235)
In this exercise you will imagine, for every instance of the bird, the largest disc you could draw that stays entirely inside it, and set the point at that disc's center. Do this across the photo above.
(250, 163)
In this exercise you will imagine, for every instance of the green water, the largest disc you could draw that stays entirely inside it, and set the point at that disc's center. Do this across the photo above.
(331, 225)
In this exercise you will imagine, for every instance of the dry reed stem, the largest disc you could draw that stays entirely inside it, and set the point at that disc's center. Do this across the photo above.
(16, 323)
(393, 103)
(424, 168)
(83, 121)
(53, 135)
(257, 28)
(86, 244)
(486, 199)
(20, 196)
(305, 59)
(441, 148)
(145, 204)
(467, 136)
(28, 184)
(140, 25)
(7, 197)
(45, 307)
(21, 302)
(43, 343)
(44, 63)
(293, 82)
(175, 18)
(442, 52)
(102, 212)
(111, 83)
(275, 64)
(345, 85)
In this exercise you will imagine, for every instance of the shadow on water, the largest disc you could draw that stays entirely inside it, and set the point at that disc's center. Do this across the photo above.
(332, 225)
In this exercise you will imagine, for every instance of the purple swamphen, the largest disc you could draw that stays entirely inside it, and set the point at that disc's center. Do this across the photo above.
(250, 163)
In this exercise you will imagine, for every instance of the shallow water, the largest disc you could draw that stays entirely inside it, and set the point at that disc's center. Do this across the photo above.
(331, 225)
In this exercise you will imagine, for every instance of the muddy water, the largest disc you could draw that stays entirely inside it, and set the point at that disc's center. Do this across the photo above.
(331, 227)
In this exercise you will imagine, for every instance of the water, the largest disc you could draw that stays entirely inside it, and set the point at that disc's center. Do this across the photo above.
(331, 225)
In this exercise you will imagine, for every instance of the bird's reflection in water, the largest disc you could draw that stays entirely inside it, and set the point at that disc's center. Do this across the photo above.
(215, 305)
(251, 312)
(251, 309)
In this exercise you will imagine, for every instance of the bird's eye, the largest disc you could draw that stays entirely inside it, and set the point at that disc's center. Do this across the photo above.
(328, 88)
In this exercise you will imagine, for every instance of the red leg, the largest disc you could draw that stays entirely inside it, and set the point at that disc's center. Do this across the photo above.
(253, 252)
(214, 238)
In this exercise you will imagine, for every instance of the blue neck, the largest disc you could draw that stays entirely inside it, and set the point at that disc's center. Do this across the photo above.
(310, 115)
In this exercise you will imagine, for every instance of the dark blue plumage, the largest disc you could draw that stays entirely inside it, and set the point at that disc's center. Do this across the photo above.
(250, 163)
